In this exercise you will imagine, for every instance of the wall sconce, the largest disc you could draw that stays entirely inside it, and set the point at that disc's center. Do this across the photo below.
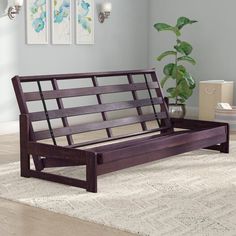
(105, 11)
(13, 11)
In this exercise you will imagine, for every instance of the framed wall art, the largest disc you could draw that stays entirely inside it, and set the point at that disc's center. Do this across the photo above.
(84, 21)
(37, 21)
(61, 22)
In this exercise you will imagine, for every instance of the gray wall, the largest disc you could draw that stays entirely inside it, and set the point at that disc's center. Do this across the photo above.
(213, 38)
(8, 64)
(120, 43)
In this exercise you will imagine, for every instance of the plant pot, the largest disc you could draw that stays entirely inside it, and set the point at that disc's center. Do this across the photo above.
(177, 110)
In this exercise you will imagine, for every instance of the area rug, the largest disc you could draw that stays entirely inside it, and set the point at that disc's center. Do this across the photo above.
(189, 194)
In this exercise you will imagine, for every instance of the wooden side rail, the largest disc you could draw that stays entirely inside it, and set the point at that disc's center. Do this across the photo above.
(153, 156)
(200, 124)
(159, 143)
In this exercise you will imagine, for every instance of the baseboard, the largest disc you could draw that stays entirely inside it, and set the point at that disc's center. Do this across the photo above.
(12, 127)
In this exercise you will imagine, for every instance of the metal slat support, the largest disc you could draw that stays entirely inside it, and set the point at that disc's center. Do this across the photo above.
(46, 113)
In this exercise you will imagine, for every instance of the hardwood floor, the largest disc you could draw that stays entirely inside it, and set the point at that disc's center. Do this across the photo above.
(21, 220)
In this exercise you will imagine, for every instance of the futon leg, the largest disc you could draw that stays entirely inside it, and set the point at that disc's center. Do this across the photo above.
(91, 172)
(224, 147)
(25, 165)
(24, 138)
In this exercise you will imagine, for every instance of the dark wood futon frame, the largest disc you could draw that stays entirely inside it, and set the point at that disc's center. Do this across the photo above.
(108, 157)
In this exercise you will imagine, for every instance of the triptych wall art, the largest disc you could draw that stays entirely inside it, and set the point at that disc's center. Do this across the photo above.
(38, 17)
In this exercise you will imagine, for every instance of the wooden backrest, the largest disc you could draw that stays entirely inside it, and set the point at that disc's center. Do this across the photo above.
(58, 91)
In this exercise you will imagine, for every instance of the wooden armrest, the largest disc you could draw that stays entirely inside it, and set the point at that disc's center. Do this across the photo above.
(57, 152)
(196, 124)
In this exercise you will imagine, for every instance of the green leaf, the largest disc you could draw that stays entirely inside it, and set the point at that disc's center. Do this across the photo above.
(181, 68)
(164, 54)
(163, 81)
(190, 81)
(184, 90)
(168, 69)
(165, 27)
(182, 21)
(184, 48)
(187, 59)
(178, 72)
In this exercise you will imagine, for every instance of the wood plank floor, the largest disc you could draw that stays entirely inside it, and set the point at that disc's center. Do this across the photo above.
(21, 220)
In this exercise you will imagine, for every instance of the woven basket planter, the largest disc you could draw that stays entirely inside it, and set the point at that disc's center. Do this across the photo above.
(227, 116)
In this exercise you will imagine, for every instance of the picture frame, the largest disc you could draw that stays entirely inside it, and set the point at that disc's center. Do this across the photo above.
(61, 16)
(84, 21)
(37, 22)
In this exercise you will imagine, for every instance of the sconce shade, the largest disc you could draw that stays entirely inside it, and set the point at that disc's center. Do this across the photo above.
(18, 2)
(106, 7)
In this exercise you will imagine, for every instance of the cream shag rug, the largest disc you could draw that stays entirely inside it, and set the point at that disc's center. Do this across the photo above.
(190, 194)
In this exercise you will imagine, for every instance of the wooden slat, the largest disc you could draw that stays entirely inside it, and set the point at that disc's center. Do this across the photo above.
(97, 126)
(119, 137)
(99, 99)
(83, 75)
(61, 106)
(135, 97)
(65, 93)
(91, 109)
(135, 141)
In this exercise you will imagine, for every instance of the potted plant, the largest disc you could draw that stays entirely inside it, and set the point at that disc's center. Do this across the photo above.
(184, 83)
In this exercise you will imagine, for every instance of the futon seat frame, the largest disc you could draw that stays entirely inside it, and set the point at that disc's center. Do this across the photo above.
(108, 157)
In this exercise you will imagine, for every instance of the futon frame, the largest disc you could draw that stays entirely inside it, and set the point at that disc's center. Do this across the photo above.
(162, 141)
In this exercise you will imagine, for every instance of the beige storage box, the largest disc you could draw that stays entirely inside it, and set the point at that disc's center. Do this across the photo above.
(212, 92)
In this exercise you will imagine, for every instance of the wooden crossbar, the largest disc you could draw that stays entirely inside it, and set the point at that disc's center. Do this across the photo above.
(58, 132)
(78, 92)
(92, 109)
(84, 75)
